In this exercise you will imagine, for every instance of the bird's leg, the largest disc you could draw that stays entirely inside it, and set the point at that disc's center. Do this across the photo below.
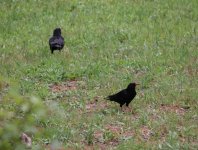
(129, 109)
(52, 51)
(121, 107)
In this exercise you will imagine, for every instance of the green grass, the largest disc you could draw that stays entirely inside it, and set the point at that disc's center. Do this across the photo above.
(108, 44)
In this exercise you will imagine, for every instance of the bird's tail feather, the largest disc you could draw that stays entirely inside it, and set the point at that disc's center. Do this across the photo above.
(109, 98)
(57, 45)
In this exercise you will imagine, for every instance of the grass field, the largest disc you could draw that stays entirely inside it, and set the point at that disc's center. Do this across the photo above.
(108, 44)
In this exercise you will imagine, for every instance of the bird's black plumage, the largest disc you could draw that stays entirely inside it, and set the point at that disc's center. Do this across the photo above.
(56, 42)
(124, 96)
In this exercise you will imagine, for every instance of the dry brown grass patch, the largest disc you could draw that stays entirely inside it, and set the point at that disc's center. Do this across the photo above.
(64, 86)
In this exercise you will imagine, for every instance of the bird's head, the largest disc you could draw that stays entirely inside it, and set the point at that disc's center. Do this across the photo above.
(57, 32)
(132, 85)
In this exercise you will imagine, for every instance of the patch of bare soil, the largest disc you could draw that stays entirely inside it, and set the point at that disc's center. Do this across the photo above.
(135, 117)
(102, 145)
(174, 108)
(3, 88)
(154, 116)
(98, 145)
(126, 109)
(190, 69)
(163, 130)
(64, 86)
(92, 147)
(112, 142)
(51, 147)
(98, 135)
(116, 129)
(146, 132)
(95, 105)
(128, 134)
(117, 134)
(109, 137)
(100, 140)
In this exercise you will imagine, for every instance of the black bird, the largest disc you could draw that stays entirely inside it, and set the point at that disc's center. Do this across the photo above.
(56, 42)
(124, 96)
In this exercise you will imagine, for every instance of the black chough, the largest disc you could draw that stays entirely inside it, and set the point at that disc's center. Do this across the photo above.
(124, 96)
(56, 42)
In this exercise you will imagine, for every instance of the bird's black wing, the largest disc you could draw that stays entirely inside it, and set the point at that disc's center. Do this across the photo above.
(118, 97)
(131, 97)
(56, 42)
(51, 40)
(62, 42)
